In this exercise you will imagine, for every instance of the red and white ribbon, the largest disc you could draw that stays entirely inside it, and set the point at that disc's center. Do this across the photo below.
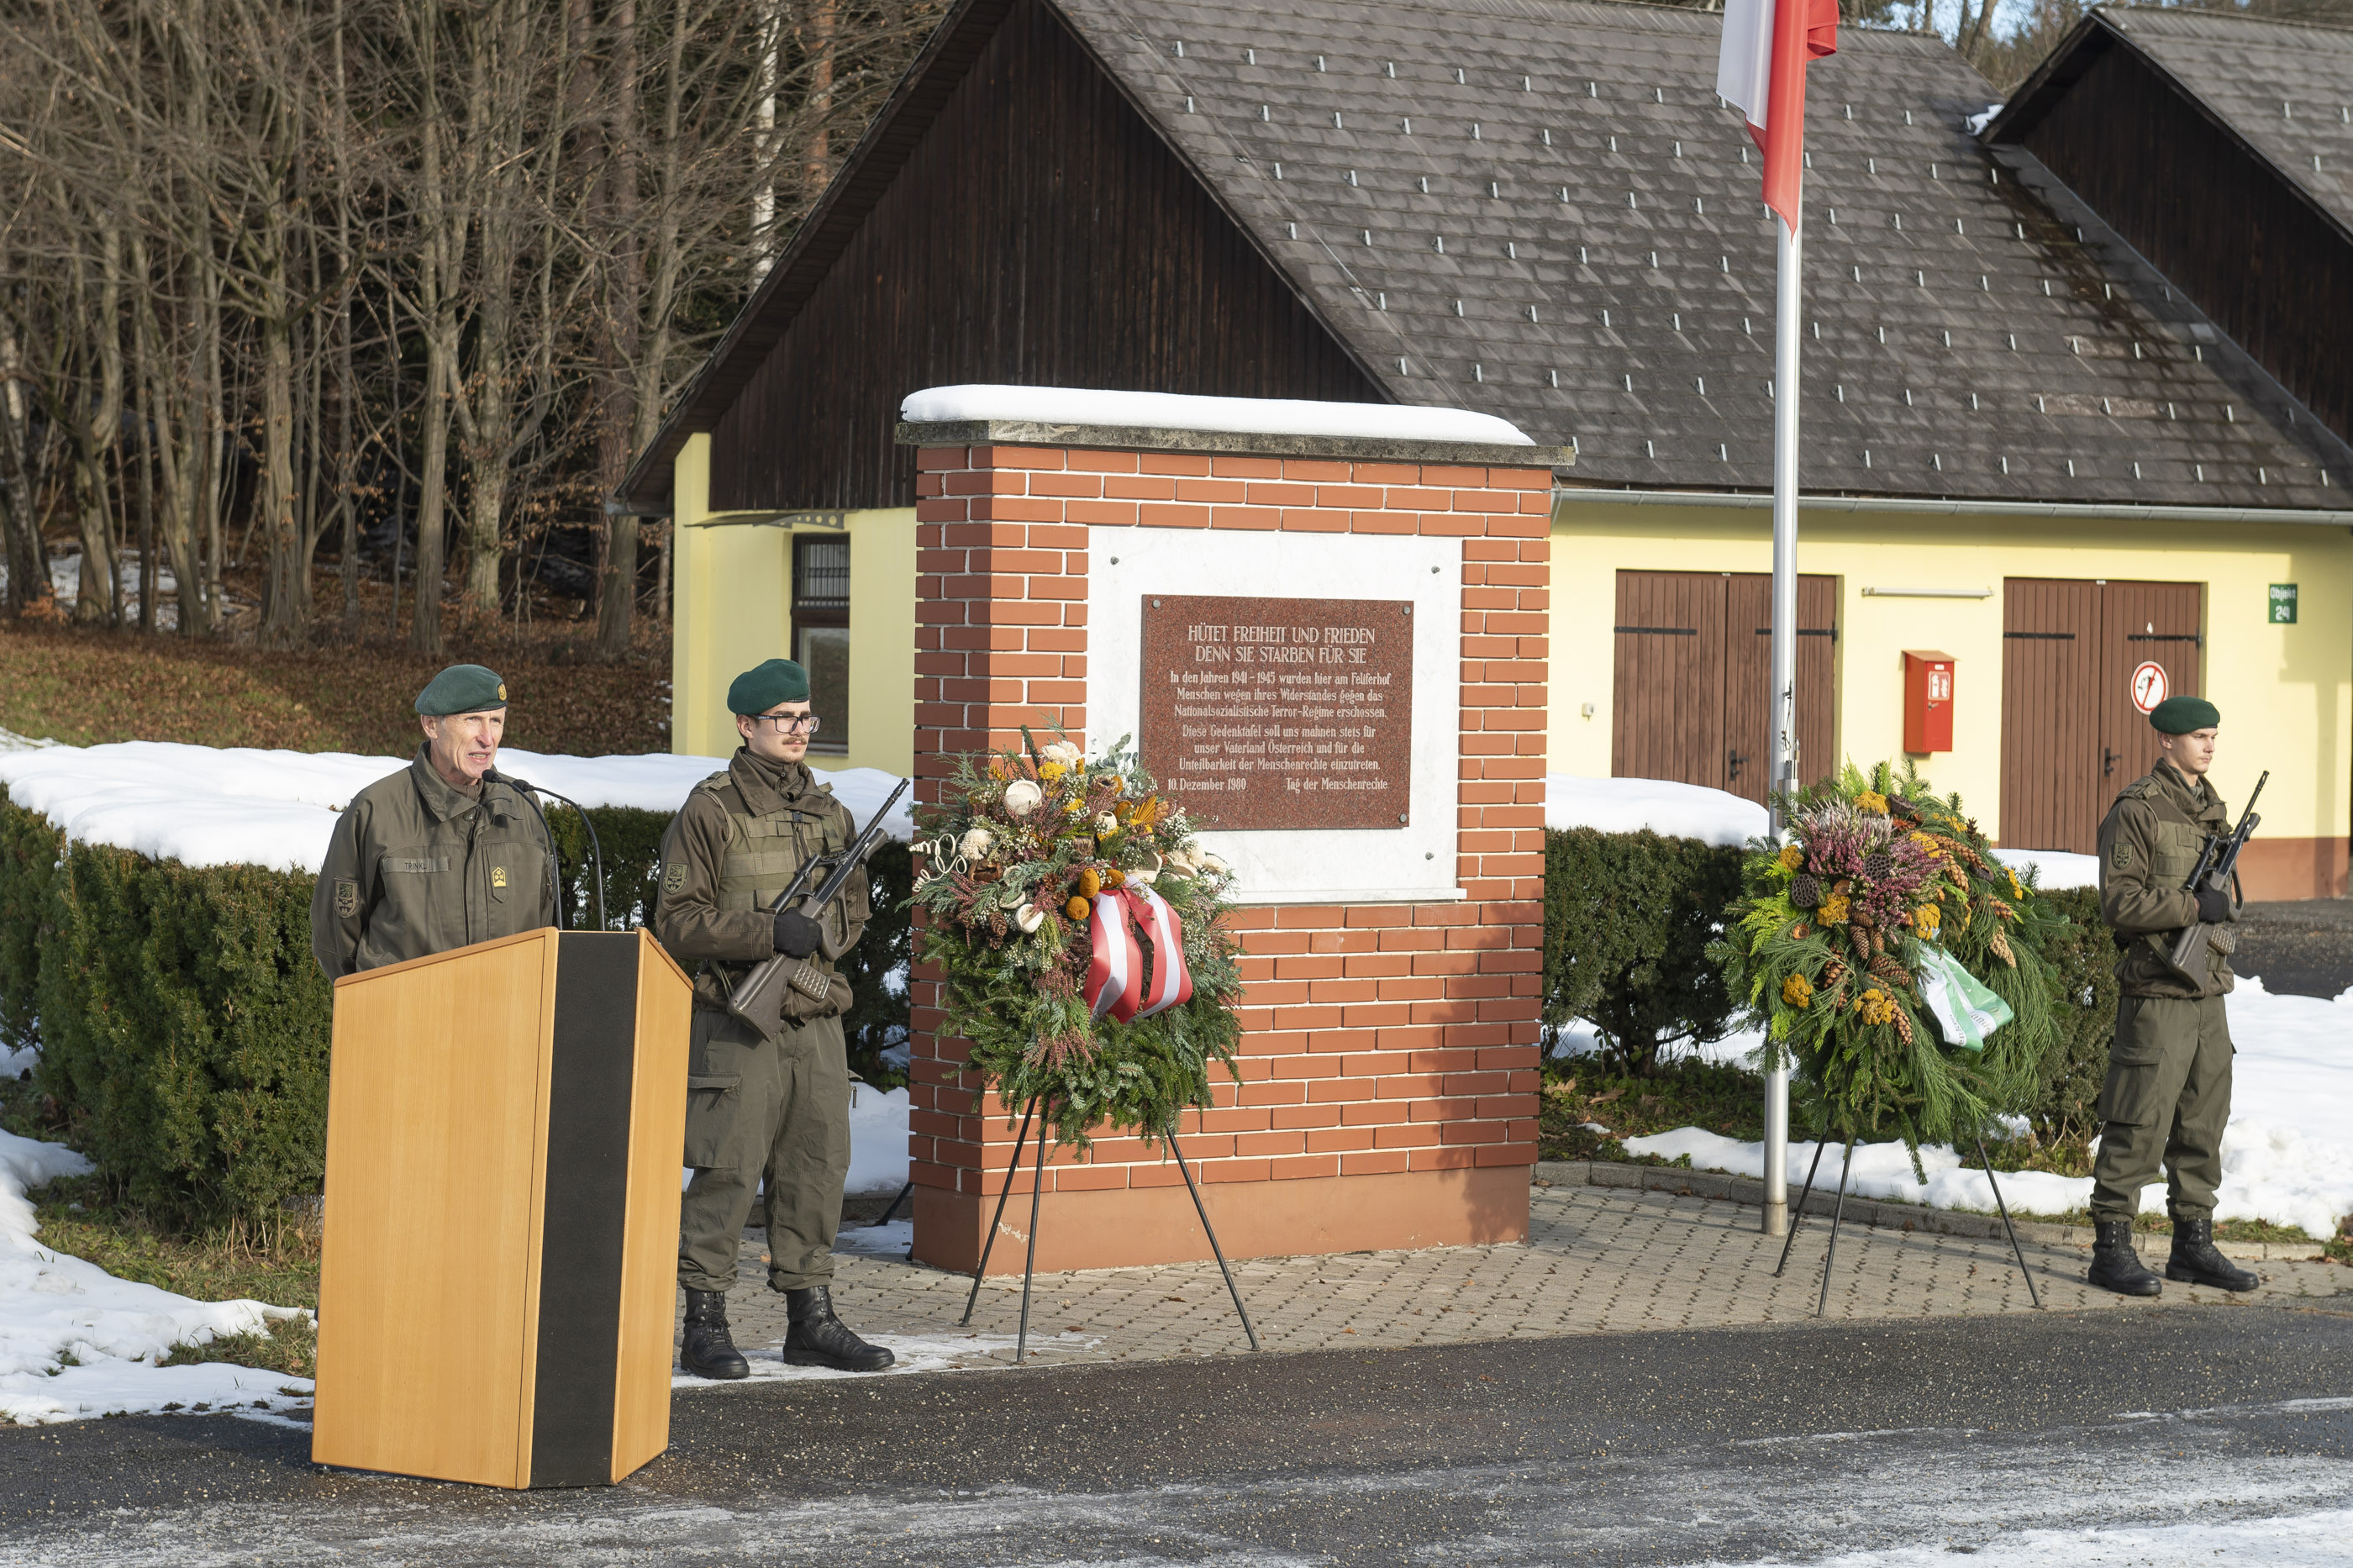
(1115, 970)
(1171, 982)
(1117, 982)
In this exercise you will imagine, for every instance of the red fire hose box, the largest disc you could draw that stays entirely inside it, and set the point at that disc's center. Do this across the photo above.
(1927, 702)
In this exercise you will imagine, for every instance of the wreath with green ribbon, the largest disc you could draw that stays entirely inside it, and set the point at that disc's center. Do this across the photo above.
(1078, 926)
(1892, 962)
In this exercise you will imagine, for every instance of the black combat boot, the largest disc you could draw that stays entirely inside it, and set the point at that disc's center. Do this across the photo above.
(818, 1338)
(709, 1350)
(2115, 1266)
(2195, 1261)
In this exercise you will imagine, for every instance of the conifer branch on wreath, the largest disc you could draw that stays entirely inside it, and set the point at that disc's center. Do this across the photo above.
(1825, 945)
(1078, 926)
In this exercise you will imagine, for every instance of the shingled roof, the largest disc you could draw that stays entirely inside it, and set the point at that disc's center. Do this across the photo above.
(1539, 209)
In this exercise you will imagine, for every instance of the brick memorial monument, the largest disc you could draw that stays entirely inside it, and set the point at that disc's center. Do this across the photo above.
(1332, 650)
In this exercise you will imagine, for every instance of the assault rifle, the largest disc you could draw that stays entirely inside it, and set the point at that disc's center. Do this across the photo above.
(759, 998)
(2218, 862)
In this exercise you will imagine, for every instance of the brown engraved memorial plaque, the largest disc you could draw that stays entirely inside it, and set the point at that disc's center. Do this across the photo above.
(1280, 713)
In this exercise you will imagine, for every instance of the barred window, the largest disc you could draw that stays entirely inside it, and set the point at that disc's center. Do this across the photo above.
(821, 632)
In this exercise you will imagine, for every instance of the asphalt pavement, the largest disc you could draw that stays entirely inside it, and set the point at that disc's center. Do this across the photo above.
(1791, 1443)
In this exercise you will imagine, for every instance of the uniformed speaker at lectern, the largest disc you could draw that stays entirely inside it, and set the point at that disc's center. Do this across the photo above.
(441, 854)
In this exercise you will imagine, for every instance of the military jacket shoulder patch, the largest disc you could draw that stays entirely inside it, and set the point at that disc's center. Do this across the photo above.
(673, 879)
(2122, 855)
(347, 897)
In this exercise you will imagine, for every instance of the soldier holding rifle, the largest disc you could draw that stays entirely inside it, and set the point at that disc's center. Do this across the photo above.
(768, 1085)
(2167, 856)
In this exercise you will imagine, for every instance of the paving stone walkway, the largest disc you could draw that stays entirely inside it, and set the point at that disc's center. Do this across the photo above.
(1597, 1260)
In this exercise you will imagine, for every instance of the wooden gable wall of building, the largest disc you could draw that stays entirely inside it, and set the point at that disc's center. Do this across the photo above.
(2249, 248)
(1039, 234)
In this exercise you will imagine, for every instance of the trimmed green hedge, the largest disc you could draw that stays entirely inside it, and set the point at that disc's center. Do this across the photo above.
(183, 1025)
(1627, 918)
(2083, 957)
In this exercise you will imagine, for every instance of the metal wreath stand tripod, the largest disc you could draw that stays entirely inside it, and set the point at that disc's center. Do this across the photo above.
(1846, 1163)
(1029, 1268)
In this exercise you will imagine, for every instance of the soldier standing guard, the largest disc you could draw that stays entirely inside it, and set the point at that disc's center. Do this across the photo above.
(771, 1101)
(440, 855)
(2168, 1092)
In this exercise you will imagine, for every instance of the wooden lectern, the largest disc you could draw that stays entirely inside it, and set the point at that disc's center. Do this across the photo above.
(504, 1125)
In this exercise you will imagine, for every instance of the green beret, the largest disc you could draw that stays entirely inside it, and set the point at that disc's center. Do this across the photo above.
(462, 689)
(2180, 715)
(756, 690)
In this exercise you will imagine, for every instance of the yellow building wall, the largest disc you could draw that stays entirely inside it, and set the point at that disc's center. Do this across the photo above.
(2285, 692)
(734, 608)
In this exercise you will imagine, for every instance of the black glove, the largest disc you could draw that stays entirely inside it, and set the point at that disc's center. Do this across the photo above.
(796, 933)
(2213, 905)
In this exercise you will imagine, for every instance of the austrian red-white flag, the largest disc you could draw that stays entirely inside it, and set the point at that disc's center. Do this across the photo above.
(1762, 73)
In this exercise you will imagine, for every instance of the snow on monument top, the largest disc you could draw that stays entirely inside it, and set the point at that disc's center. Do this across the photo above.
(1232, 415)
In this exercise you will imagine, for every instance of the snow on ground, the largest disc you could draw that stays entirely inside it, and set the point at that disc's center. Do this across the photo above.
(1674, 810)
(65, 582)
(2294, 1541)
(2287, 1154)
(1173, 411)
(208, 805)
(878, 1142)
(75, 1342)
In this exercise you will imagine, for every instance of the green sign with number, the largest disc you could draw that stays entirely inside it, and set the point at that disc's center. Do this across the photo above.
(2282, 604)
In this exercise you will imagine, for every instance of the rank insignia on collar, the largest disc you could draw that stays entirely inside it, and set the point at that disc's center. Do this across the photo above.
(347, 897)
(673, 880)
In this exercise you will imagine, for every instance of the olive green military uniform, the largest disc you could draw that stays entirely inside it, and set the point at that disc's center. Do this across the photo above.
(417, 867)
(2168, 1092)
(774, 1105)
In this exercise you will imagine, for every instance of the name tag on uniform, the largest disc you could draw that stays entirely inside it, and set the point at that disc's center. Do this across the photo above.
(416, 864)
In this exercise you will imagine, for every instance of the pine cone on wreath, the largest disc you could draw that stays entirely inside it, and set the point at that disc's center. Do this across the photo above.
(2001, 947)
(1805, 892)
(1903, 1025)
(1887, 969)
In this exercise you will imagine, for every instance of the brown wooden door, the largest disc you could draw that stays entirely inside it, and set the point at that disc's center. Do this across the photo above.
(1748, 681)
(2071, 736)
(1667, 718)
(1694, 679)
(2049, 713)
(2154, 622)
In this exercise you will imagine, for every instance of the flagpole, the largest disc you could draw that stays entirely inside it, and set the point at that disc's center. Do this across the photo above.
(1784, 777)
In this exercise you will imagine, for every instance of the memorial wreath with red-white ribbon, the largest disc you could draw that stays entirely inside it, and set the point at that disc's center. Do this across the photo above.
(1075, 923)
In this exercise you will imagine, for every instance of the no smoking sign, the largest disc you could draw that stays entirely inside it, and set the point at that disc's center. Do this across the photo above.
(2149, 686)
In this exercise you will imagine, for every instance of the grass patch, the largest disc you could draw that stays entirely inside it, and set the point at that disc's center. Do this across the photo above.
(80, 1216)
(89, 688)
(291, 1347)
(1684, 1093)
